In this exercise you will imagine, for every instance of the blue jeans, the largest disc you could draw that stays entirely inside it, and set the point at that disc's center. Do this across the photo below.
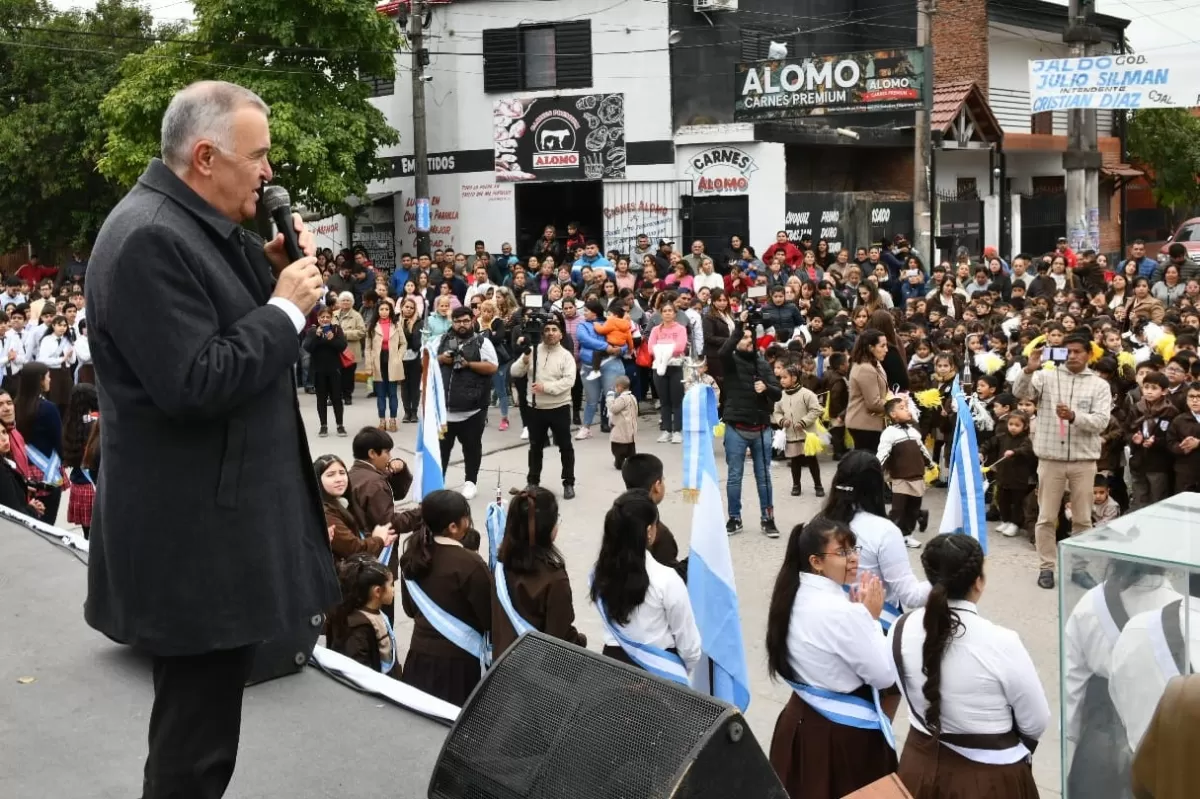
(500, 386)
(736, 444)
(386, 397)
(595, 390)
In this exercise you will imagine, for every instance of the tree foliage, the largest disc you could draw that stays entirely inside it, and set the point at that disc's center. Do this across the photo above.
(54, 69)
(305, 58)
(1167, 140)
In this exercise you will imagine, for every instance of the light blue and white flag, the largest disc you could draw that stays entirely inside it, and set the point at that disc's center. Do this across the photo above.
(427, 462)
(965, 512)
(722, 670)
(497, 517)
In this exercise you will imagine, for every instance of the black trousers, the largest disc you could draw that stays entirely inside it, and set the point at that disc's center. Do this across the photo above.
(469, 433)
(542, 422)
(410, 389)
(329, 390)
(621, 452)
(521, 384)
(905, 510)
(838, 436)
(577, 396)
(348, 380)
(866, 439)
(798, 464)
(1011, 504)
(195, 724)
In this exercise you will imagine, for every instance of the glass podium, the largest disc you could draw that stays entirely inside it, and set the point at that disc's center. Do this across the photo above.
(1123, 638)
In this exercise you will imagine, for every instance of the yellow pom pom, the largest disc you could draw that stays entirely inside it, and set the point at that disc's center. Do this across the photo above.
(1125, 360)
(1033, 345)
(1166, 347)
(719, 430)
(929, 398)
(931, 473)
(1048, 366)
(812, 444)
(1097, 353)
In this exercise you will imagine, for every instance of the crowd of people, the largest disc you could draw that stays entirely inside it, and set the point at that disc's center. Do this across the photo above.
(1066, 368)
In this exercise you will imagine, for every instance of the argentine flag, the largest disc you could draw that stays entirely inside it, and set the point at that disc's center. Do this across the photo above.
(427, 463)
(722, 670)
(965, 512)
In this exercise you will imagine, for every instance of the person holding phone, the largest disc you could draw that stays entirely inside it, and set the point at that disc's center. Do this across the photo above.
(1073, 409)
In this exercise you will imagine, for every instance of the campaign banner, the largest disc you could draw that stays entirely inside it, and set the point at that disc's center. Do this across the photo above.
(573, 137)
(871, 80)
(1114, 81)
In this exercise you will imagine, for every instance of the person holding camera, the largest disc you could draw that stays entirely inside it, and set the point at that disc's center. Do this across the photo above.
(549, 374)
(468, 361)
(751, 391)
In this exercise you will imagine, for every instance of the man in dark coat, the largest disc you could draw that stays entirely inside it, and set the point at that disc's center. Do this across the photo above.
(207, 536)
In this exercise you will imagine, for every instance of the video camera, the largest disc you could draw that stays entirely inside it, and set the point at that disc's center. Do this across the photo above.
(454, 349)
(756, 297)
(534, 321)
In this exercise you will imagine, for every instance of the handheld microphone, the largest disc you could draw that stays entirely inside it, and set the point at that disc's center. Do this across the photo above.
(278, 204)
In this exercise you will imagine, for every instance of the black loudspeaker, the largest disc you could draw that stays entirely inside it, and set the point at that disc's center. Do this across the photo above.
(286, 654)
(554, 721)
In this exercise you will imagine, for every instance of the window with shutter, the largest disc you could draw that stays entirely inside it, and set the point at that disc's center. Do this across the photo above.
(538, 56)
(502, 60)
(380, 87)
(573, 54)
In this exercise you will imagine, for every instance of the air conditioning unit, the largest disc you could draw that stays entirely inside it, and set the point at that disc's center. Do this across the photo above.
(715, 5)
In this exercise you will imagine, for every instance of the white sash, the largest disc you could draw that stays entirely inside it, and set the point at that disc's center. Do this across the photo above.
(454, 630)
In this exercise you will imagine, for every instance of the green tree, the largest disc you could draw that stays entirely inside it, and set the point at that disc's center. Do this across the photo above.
(1167, 140)
(305, 58)
(54, 69)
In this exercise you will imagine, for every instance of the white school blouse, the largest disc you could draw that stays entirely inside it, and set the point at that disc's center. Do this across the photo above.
(1137, 678)
(1091, 635)
(664, 619)
(53, 350)
(987, 677)
(885, 556)
(834, 643)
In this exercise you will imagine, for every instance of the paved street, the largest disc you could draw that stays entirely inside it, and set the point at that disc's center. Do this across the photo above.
(1012, 599)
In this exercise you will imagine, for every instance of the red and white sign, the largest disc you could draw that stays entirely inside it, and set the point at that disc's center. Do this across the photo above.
(553, 160)
(721, 170)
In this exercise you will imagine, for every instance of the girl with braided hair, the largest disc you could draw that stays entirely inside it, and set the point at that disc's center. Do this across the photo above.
(530, 571)
(975, 702)
(358, 627)
(832, 737)
(447, 592)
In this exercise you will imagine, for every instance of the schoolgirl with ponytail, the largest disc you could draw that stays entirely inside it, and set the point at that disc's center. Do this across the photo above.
(975, 702)
(531, 571)
(358, 628)
(644, 605)
(825, 643)
(446, 590)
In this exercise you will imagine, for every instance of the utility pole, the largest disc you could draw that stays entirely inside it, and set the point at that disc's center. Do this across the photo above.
(1082, 158)
(922, 153)
(420, 59)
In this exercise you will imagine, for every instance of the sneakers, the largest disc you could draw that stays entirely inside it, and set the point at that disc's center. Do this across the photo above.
(677, 438)
(911, 542)
(469, 490)
(769, 529)
(733, 526)
(592, 375)
(569, 491)
(1009, 530)
(503, 424)
(324, 431)
(796, 490)
(524, 433)
(584, 432)
(820, 492)
(341, 431)
(1046, 578)
(663, 437)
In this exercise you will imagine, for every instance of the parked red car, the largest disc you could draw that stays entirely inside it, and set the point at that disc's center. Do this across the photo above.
(1187, 234)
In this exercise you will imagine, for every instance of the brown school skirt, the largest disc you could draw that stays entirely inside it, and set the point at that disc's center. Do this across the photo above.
(449, 678)
(816, 758)
(62, 380)
(932, 771)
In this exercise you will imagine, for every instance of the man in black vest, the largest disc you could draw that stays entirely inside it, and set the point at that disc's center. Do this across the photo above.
(468, 361)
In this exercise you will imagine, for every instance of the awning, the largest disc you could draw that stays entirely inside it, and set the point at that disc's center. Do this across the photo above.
(962, 115)
(1121, 171)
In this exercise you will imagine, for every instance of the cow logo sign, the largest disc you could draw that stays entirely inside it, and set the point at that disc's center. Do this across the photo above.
(554, 144)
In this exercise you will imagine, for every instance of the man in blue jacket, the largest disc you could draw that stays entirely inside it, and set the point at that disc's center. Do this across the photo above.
(592, 259)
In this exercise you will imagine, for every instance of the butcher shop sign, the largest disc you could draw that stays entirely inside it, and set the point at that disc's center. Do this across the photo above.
(721, 170)
(576, 137)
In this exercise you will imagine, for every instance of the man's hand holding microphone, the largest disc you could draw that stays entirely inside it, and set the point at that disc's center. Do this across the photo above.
(299, 282)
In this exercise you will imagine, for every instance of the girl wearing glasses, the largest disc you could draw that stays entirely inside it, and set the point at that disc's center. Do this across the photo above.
(832, 738)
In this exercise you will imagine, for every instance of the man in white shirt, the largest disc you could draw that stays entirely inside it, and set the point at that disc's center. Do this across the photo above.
(12, 293)
(479, 287)
(12, 351)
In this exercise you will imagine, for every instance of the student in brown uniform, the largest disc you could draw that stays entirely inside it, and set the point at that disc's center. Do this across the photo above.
(377, 481)
(1011, 450)
(358, 628)
(1183, 439)
(837, 383)
(447, 592)
(531, 573)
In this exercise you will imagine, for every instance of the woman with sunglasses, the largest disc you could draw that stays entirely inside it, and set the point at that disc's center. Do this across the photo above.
(823, 639)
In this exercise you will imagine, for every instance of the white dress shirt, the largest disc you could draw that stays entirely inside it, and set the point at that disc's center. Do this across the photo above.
(287, 306)
(987, 677)
(664, 619)
(885, 556)
(12, 343)
(1137, 679)
(55, 352)
(834, 643)
(1090, 636)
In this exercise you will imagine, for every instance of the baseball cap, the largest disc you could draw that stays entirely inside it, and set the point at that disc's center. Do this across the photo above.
(662, 242)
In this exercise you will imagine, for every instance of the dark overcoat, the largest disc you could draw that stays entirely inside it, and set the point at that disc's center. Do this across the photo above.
(207, 532)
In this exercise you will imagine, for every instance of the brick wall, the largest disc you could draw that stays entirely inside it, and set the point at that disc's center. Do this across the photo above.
(960, 42)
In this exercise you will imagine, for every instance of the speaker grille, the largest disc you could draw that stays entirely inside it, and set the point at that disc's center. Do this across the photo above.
(554, 723)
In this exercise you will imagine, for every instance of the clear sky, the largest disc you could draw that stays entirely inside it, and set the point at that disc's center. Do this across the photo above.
(1157, 25)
